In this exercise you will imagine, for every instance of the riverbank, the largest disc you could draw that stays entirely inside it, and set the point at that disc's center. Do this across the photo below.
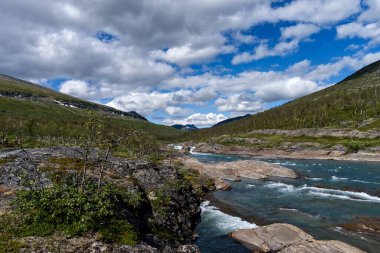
(336, 153)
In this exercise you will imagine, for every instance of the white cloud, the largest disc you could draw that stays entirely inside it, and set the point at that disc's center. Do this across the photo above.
(299, 31)
(186, 55)
(326, 71)
(241, 38)
(372, 12)
(198, 119)
(291, 88)
(239, 103)
(144, 103)
(178, 111)
(299, 68)
(290, 38)
(79, 88)
(355, 29)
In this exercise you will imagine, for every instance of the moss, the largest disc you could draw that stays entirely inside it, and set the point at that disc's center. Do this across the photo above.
(120, 232)
(66, 163)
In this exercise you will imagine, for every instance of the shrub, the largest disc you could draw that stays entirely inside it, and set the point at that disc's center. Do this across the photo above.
(69, 209)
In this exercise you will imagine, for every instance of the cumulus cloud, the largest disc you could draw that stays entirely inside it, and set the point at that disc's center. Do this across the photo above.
(290, 38)
(356, 29)
(79, 88)
(198, 119)
(239, 103)
(186, 55)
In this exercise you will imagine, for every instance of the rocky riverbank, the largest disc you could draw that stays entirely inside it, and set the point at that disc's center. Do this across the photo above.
(286, 238)
(293, 151)
(253, 169)
(164, 212)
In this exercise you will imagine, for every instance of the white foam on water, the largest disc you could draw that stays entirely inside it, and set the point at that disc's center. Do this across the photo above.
(191, 151)
(348, 195)
(364, 182)
(335, 178)
(325, 192)
(224, 222)
(315, 178)
(280, 186)
(251, 186)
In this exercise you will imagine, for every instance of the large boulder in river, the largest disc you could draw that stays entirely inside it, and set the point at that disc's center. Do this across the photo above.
(286, 238)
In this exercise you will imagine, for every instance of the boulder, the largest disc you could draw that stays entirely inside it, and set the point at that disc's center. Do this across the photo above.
(286, 238)
(270, 238)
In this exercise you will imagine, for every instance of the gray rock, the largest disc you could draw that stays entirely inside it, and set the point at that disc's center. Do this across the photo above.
(286, 238)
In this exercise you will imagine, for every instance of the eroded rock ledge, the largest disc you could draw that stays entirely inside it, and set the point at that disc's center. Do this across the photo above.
(253, 169)
(286, 238)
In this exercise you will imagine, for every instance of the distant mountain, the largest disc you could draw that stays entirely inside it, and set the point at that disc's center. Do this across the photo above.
(230, 120)
(353, 103)
(189, 127)
(37, 110)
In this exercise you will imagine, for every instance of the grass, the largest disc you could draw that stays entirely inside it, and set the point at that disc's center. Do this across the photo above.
(275, 141)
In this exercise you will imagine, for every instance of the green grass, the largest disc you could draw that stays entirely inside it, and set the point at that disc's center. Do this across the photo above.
(276, 140)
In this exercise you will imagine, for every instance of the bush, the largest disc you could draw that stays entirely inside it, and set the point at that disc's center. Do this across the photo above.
(69, 209)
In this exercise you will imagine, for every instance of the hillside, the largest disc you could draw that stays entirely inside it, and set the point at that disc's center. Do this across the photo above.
(188, 127)
(223, 122)
(352, 103)
(38, 111)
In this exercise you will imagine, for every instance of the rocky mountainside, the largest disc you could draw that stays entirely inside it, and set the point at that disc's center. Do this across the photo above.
(38, 111)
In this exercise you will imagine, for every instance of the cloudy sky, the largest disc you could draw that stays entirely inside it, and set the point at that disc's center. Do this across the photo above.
(188, 61)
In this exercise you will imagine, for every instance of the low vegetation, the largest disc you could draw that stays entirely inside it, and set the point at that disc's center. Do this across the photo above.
(260, 141)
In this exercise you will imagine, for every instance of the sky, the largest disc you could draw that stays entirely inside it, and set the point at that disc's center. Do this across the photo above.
(188, 61)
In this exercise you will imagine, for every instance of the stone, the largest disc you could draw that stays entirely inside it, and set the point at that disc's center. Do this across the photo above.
(270, 238)
(286, 238)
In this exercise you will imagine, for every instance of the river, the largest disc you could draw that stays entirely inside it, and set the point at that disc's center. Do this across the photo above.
(329, 193)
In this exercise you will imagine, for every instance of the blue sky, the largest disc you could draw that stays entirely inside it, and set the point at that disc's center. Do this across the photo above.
(188, 62)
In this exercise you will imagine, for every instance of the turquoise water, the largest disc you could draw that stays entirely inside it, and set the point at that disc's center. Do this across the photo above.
(328, 194)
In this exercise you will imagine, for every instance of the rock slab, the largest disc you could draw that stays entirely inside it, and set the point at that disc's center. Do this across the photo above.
(286, 238)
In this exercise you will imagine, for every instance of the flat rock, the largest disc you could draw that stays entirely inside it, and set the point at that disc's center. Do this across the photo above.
(270, 238)
(321, 247)
(286, 238)
(233, 171)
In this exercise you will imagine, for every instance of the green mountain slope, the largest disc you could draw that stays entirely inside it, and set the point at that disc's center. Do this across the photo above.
(38, 111)
(352, 103)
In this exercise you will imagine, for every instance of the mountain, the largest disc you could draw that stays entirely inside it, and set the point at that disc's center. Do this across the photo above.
(188, 127)
(352, 103)
(38, 111)
(230, 120)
